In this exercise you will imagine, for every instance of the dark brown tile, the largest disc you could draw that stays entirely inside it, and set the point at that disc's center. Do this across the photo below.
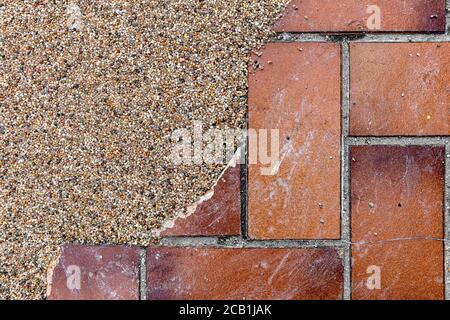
(95, 273)
(397, 221)
(220, 215)
(358, 16)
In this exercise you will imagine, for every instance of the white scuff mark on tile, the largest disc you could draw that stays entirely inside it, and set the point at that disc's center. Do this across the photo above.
(278, 268)
(215, 221)
(184, 214)
(286, 189)
(287, 148)
(296, 154)
(279, 98)
(301, 152)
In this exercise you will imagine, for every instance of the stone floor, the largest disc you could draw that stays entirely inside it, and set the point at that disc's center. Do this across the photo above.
(359, 205)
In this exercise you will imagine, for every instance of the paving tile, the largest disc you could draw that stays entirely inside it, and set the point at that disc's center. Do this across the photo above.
(363, 16)
(397, 221)
(296, 90)
(95, 273)
(220, 215)
(407, 81)
(227, 274)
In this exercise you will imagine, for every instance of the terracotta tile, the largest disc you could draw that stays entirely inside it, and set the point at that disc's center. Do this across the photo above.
(357, 16)
(227, 274)
(218, 216)
(297, 91)
(397, 221)
(410, 270)
(95, 273)
(407, 81)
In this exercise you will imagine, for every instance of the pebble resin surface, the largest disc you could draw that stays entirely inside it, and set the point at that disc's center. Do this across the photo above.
(90, 92)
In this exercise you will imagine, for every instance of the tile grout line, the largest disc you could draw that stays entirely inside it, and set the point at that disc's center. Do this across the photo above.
(447, 188)
(143, 274)
(447, 219)
(397, 141)
(447, 192)
(345, 169)
(244, 179)
(447, 17)
(364, 37)
(238, 242)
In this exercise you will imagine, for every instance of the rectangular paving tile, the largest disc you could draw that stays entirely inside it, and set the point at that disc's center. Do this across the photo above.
(363, 16)
(95, 273)
(400, 89)
(295, 88)
(227, 274)
(408, 270)
(397, 222)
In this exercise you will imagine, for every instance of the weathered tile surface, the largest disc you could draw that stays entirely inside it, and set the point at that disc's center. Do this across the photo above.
(95, 273)
(296, 89)
(397, 221)
(410, 269)
(220, 215)
(200, 273)
(358, 16)
(400, 89)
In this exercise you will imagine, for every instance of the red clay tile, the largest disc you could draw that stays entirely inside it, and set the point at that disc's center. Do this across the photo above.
(218, 216)
(360, 16)
(226, 274)
(410, 270)
(296, 89)
(400, 89)
(397, 205)
(95, 273)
